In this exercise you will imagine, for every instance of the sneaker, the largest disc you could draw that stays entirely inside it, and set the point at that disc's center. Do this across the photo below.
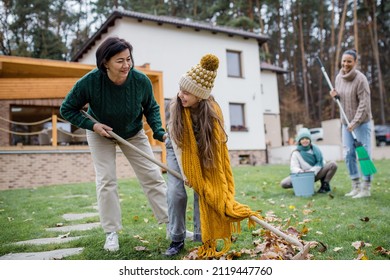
(112, 243)
(353, 192)
(363, 193)
(174, 248)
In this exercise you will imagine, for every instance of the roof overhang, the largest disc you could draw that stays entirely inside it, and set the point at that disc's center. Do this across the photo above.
(160, 20)
(33, 78)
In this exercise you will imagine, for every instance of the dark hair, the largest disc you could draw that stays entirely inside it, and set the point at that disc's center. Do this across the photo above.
(351, 52)
(110, 47)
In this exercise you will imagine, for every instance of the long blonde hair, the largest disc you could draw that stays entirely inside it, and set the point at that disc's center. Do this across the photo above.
(207, 118)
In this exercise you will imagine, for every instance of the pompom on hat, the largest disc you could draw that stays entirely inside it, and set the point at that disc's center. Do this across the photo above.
(303, 133)
(199, 80)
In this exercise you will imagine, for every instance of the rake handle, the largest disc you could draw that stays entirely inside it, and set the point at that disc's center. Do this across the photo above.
(134, 148)
(290, 239)
(337, 98)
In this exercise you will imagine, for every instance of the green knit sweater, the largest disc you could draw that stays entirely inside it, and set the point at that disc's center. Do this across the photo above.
(118, 106)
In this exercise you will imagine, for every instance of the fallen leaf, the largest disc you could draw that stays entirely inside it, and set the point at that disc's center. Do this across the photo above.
(140, 248)
(319, 232)
(146, 220)
(362, 256)
(305, 230)
(382, 251)
(135, 218)
(365, 219)
(66, 235)
(357, 244)
(292, 231)
(322, 248)
(291, 207)
(337, 249)
(59, 224)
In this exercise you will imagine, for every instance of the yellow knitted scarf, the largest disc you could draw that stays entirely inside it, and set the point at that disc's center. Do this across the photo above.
(220, 214)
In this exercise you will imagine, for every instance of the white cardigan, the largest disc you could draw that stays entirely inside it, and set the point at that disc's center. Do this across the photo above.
(298, 164)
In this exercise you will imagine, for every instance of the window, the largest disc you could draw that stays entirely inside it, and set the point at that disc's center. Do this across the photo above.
(234, 64)
(32, 125)
(237, 117)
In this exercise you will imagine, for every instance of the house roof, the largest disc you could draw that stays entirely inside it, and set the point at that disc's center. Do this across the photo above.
(273, 68)
(160, 20)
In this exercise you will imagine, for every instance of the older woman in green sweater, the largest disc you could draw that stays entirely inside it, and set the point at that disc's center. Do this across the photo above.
(118, 96)
(353, 90)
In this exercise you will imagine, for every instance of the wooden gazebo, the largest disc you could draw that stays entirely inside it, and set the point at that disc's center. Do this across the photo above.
(39, 82)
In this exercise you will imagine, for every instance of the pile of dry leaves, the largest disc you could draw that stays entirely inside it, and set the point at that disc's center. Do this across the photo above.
(266, 245)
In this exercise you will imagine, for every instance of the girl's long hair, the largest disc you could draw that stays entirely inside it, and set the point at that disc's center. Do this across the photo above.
(206, 140)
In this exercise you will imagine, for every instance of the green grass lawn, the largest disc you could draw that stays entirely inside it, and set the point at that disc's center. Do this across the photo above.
(334, 221)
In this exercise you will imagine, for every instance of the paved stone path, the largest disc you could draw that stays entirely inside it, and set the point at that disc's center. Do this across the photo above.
(73, 217)
(43, 241)
(75, 227)
(48, 255)
(60, 253)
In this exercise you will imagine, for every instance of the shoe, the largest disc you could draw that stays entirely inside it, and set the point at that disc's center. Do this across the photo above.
(174, 248)
(363, 193)
(354, 192)
(112, 243)
(325, 188)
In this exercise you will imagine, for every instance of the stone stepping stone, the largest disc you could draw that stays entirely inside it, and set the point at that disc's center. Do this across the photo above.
(74, 217)
(76, 195)
(44, 241)
(47, 255)
(87, 226)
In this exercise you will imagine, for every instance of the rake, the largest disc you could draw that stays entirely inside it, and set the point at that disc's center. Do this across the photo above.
(366, 164)
(303, 248)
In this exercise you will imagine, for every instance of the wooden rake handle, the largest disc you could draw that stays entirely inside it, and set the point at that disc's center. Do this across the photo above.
(134, 148)
(289, 238)
(337, 98)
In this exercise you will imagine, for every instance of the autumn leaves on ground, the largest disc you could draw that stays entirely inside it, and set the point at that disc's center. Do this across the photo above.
(337, 227)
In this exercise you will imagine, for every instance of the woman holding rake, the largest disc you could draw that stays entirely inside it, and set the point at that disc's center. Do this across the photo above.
(353, 91)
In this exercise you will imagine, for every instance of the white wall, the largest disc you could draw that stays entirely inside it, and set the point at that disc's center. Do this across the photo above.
(269, 92)
(174, 50)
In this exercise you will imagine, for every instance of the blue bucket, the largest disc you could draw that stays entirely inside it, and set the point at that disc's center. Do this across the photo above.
(303, 183)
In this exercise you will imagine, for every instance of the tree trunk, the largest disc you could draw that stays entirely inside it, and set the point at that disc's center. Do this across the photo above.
(321, 23)
(355, 26)
(372, 27)
(303, 60)
(332, 57)
(341, 32)
(265, 45)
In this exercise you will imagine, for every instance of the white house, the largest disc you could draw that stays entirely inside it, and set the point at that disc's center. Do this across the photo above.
(173, 45)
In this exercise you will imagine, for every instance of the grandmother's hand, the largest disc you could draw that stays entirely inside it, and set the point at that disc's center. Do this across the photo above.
(102, 129)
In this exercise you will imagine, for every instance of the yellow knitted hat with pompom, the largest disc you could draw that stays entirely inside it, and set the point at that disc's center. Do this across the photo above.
(199, 80)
